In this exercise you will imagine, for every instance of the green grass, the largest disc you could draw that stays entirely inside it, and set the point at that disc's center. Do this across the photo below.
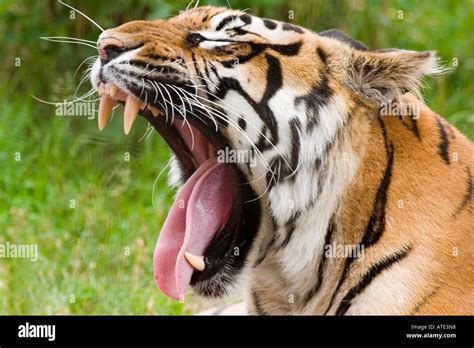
(82, 249)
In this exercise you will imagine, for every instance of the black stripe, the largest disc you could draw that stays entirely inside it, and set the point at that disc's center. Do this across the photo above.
(384, 134)
(246, 18)
(319, 96)
(264, 253)
(424, 301)
(287, 50)
(256, 49)
(443, 147)
(270, 244)
(258, 305)
(322, 176)
(284, 169)
(236, 31)
(295, 127)
(467, 199)
(269, 24)
(273, 175)
(150, 66)
(206, 69)
(274, 83)
(163, 59)
(412, 126)
(340, 36)
(242, 123)
(373, 272)
(214, 71)
(274, 80)
(193, 59)
(198, 72)
(158, 57)
(225, 21)
(376, 223)
(347, 264)
(322, 264)
(262, 142)
(322, 55)
(291, 27)
(290, 227)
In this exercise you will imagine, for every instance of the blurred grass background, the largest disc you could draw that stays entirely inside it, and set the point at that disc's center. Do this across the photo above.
(96, 258)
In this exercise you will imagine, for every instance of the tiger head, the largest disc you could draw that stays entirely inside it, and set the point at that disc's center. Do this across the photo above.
(252, 109)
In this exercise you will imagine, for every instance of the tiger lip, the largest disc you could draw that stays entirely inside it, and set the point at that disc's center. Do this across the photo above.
(110, 95)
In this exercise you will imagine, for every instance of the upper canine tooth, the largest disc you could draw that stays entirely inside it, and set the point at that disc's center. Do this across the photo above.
(196, 261)
(132, 105)
(113, 90)
(143, 106)
(154, 110)
(105, 108)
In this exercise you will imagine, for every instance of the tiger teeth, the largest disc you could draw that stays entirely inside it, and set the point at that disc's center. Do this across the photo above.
(105, 109)
(113, 90)
(110, 95)
(132, 105)
(196, 261)
(154, 110)
(101, 89)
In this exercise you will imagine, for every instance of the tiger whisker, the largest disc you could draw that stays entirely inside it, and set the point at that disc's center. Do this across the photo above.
(260, 133)
(69, 38)
(242, 132)
(68, 41)
(156, 180)
(91, 92)
(83, 14)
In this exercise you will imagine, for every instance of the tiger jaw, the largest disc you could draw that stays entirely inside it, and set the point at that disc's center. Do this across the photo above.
(206, 254)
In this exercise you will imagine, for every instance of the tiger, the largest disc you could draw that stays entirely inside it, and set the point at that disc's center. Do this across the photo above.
(310, 175)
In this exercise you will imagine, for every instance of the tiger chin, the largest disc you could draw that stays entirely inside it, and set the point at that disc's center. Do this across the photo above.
(353, 197)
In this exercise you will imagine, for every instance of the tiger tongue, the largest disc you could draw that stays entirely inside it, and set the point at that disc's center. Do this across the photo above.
(200, 211)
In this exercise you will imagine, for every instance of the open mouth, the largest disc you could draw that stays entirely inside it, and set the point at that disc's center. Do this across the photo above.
(212, 223)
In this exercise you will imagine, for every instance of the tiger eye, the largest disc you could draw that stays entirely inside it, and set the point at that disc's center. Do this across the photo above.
(195, 39)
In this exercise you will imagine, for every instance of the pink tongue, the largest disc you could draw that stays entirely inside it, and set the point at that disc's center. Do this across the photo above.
(199, 212)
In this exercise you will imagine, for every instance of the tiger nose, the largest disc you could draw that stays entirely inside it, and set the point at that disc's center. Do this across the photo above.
(109, 48)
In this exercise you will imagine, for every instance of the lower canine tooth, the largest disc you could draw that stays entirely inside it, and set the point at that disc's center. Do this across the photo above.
(132, 105)
(105, 108)
(113, 90)
(154, 110)
(101, 89)
(196, 261)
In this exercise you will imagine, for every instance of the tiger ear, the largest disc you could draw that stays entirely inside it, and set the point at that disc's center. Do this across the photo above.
(381, 76)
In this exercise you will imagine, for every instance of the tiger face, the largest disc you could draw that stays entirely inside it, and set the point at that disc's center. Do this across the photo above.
(257, 113)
